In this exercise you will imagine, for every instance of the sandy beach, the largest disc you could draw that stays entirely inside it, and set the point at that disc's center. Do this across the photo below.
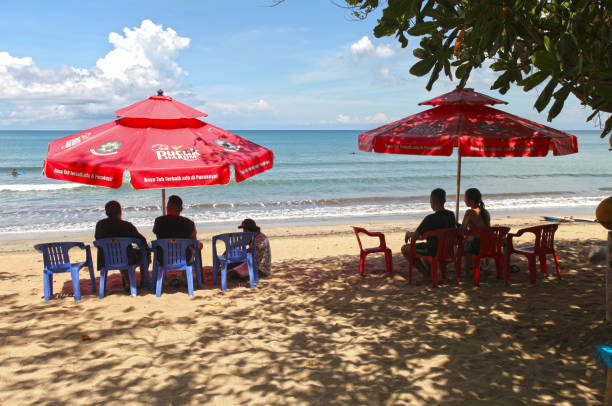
(315, 332)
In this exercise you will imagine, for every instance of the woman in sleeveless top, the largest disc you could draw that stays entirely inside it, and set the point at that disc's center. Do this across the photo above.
(476, 216)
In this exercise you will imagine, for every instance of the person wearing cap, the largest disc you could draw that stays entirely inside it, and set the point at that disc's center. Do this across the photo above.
(441, 218)
(262, 248)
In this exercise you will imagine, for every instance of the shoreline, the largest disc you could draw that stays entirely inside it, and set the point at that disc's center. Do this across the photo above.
(230, 225)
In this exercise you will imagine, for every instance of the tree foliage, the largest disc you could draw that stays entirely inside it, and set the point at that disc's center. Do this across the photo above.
(564, 45)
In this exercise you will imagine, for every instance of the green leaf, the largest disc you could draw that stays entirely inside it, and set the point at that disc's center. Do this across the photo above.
(422, 67)
(545, 61)
(423, 28)
(548, 44)
(434, 76)
(557, 106)
(607, 127)
(501, 81)
(420, 53)
(546, 94)
(463, 70)
(532, 81)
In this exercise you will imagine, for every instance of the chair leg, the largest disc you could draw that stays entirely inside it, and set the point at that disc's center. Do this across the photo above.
(132, 277)
(159, 280)
(47, 285)
(215, 272)
(189, 276)
(532, 268)
(476, 262)
(389, 260)
(92, 277)
(251, 271)
(224, 276)
(102, 283)
(434, 273)
(76, 285)
(543, 264)
(557, 265)
(499, 267)
(362, 262)
(144, 274)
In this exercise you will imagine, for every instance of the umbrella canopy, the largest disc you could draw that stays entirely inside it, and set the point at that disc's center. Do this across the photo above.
(466, 96)
(462, 120)
(161, 144)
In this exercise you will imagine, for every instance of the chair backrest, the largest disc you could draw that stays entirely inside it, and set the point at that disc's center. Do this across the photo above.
(547, 238)
(174, 250)
(235, 245)
(55, 254)
(544, 236)
(447, 241)
(115, 251)
(491, 239)
(357, 231)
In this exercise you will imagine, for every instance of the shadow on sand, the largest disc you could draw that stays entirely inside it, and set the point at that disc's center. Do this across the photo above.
(318, 333)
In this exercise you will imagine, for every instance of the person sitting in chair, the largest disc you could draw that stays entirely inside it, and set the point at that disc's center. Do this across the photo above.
(441, 218)
(262, 250)
(475, 217)
(173, 225)
(114, 227)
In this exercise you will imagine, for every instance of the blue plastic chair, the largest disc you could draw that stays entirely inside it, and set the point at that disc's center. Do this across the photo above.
(236, 252)
(56, 260)
(115, 258)
(174, 258)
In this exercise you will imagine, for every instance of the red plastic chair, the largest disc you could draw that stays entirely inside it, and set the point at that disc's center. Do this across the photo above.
(543, 245)
(447, 251)
(491, 246)
(381, 248)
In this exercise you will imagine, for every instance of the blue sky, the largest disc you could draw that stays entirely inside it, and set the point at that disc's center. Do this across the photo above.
(299, 65)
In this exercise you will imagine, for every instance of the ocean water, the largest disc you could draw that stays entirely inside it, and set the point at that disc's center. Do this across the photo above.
(316, 175)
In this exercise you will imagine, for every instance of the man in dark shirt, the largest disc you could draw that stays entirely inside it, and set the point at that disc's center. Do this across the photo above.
(441, 218)
(173, 225)
(114, 227)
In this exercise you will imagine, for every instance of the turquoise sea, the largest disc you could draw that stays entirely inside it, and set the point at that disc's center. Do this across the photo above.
(316, 175)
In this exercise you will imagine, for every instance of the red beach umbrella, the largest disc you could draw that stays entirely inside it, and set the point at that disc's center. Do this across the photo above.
(162, 144)
(462, 120)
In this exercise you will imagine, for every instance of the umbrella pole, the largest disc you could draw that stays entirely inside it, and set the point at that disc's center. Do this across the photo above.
(164, 202)
(458, 185)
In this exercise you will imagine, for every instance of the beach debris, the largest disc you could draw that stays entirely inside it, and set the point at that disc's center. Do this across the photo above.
(567, 219)
(338, 325)
(85, 337)
(310, 364)
(217, 304)
(162, 322)
(597, 254)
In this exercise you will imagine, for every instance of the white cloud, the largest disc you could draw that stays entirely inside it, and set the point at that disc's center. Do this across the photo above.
(239, 108)
(377, 118)
(260, 105)
(385, 51)
(143, 59)
(365, 47)
(344, 119)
